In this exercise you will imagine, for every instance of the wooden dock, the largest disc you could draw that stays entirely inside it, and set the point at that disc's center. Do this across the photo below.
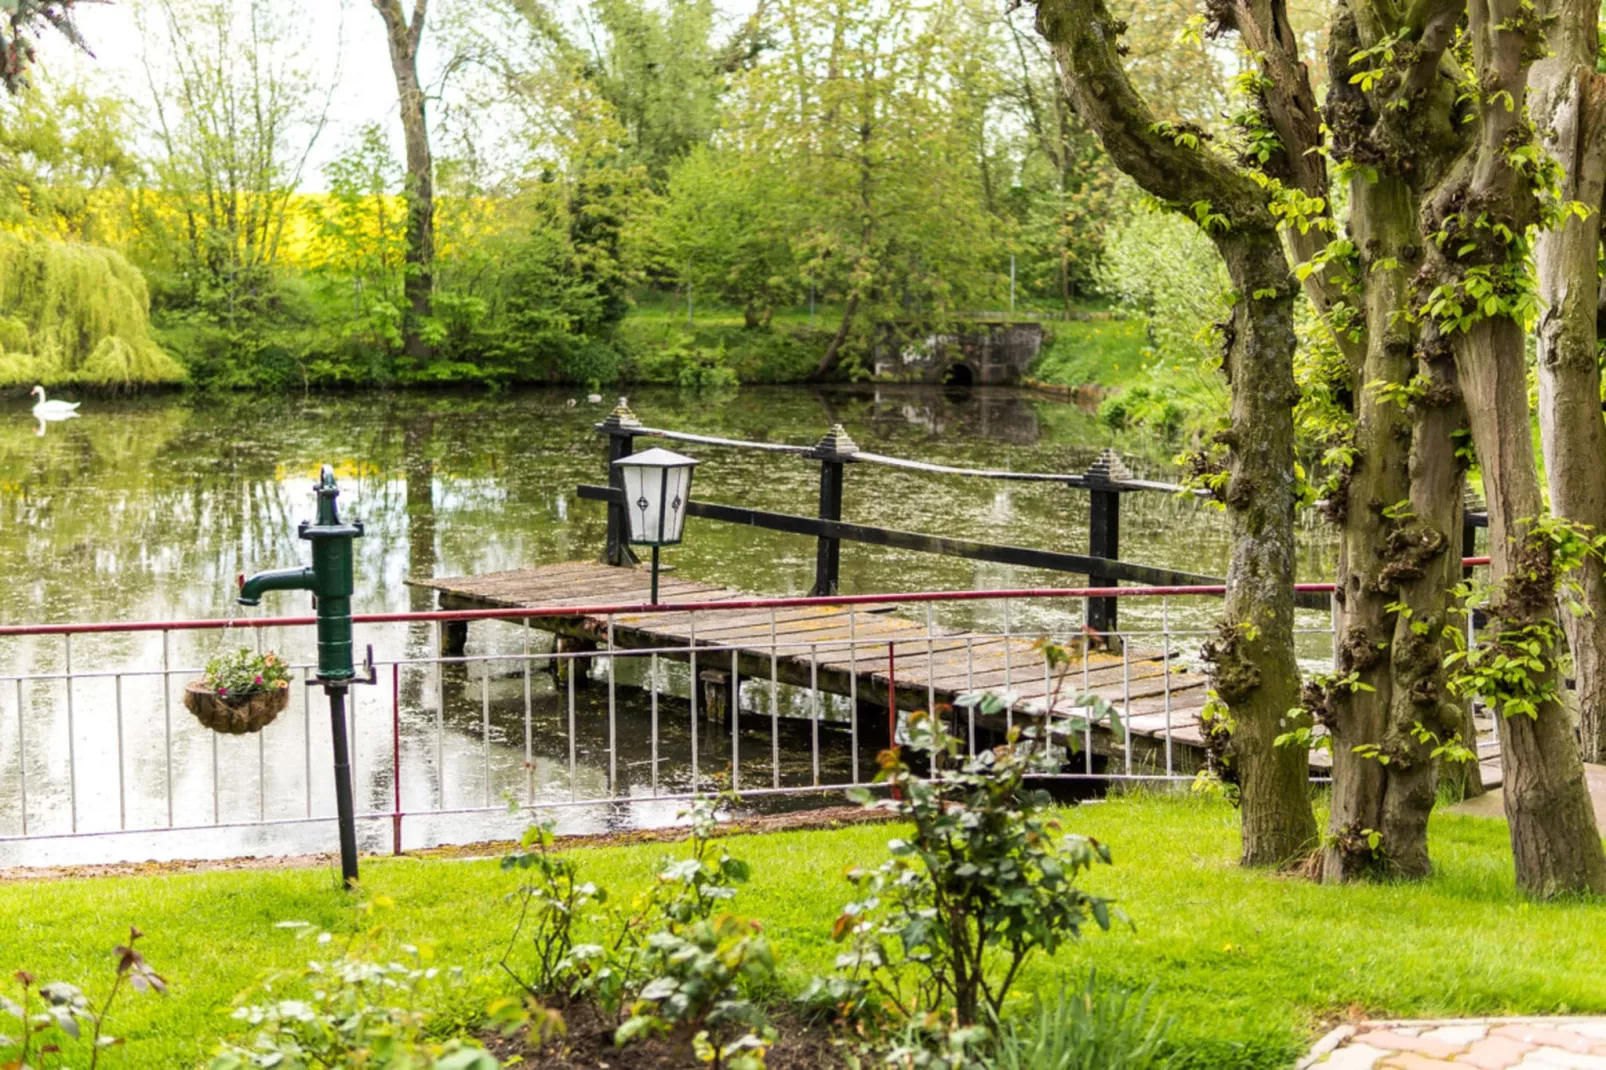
(888, 651)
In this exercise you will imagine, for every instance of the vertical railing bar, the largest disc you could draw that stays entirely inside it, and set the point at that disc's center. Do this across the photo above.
(485, 725)
(262, 778)
(814, 720)
(22, 758)
(970, 688)
(167, 720)
(395, 759)
(613, 724)
(574, 781)
(1126, 698)
(440, 719)
(72, 753)
(652, 684)
(931, 667)
(529, 731)
(306, 738)
(691, 620)
(122, 798)
(1087, 659)
(775, 711)
(1009, 699)
(853, 693)
(735, 712)
(216, 786)
(1165, 654)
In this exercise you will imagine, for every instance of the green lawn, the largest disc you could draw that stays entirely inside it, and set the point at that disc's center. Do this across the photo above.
(1106, 353)
(1252, 964)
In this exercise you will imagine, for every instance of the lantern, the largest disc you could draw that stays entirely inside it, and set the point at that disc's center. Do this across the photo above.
(657, 489)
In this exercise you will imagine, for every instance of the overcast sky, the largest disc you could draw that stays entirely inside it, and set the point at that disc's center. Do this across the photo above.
(367, 89)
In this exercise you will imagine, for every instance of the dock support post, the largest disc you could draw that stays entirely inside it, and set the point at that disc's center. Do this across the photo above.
(581, 667)
(1104, 533)
(832, 452)
(721, 695)
(620, 427)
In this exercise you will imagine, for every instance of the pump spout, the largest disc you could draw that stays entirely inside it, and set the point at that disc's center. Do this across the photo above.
(279, 579)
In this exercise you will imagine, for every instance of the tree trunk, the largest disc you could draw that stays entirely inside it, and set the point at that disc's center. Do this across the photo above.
(1554, 841)
(419, 281)
(1569, 104)
(1252, 660)
(1253, 666)
(833, 352)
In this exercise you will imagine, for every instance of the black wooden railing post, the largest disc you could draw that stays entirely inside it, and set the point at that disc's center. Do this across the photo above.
(1104, 533)
(832, 451)
(620, 427)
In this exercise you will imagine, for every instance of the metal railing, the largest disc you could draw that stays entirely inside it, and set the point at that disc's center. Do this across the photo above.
(94, 766)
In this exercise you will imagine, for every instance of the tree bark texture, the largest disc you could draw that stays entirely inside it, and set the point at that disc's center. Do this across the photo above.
(1253, 667)
(1555, 844)
(1569, 108)
(419, 282)
(1398, 506)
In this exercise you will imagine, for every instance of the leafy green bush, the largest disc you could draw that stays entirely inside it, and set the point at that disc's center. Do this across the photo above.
(550, 898)
(51, 1018)
(1099, 1027)
(356, 1010)
(984, 881)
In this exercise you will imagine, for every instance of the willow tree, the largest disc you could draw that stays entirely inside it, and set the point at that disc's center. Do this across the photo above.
(1253, 669)
(1569, 108)
(1479, 285)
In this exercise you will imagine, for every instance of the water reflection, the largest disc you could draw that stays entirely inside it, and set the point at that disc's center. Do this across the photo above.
(150, 509)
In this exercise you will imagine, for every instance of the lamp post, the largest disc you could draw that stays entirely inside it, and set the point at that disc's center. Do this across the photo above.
(657, 491)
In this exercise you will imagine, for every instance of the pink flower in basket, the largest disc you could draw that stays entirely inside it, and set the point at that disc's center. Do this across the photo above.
(259, 679)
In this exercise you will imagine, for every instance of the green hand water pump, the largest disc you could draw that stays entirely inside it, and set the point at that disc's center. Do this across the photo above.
(329, 578)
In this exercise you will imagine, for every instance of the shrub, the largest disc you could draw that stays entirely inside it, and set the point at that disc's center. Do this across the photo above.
(56, 1027)
(550, 898)
(1099, 1027)
(985, 880)
(352, 1011)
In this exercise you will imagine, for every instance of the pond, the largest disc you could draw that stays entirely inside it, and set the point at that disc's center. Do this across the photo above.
(147, 509)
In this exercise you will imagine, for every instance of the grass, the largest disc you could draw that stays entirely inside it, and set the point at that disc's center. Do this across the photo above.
(1106, 353)
(1253, 965)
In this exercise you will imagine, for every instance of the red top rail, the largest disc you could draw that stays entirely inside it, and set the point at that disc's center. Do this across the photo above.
(662, 607)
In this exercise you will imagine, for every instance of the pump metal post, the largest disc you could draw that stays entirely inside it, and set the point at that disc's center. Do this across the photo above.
(330, 580)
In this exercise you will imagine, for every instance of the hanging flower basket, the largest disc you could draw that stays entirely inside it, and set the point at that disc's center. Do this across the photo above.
(240, 693)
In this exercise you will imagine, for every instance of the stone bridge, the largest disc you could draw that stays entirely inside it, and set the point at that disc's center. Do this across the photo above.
(973, 354)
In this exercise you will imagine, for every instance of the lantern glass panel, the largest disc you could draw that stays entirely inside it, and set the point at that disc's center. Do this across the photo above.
(677, 492)
(643, 501)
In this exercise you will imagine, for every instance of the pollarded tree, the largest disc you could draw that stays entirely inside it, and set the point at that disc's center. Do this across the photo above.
(1394, 125)
(1476, 223)
(1568, 101)
(1252, 658)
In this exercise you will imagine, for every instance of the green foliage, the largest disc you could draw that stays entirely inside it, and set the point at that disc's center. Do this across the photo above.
(22, 22)
(985, 880)
(550, 898)
(75, 313)
(57, 1019)
(246, 672)
(1100, 1026)
(693, 992)
(359, 1009)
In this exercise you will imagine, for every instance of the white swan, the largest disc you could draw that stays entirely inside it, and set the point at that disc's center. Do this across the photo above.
(52, 410)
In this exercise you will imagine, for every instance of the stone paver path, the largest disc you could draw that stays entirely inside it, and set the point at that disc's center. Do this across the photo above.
(1485, 1043)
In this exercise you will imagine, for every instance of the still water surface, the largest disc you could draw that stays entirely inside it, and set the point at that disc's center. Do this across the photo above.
(147, 509)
